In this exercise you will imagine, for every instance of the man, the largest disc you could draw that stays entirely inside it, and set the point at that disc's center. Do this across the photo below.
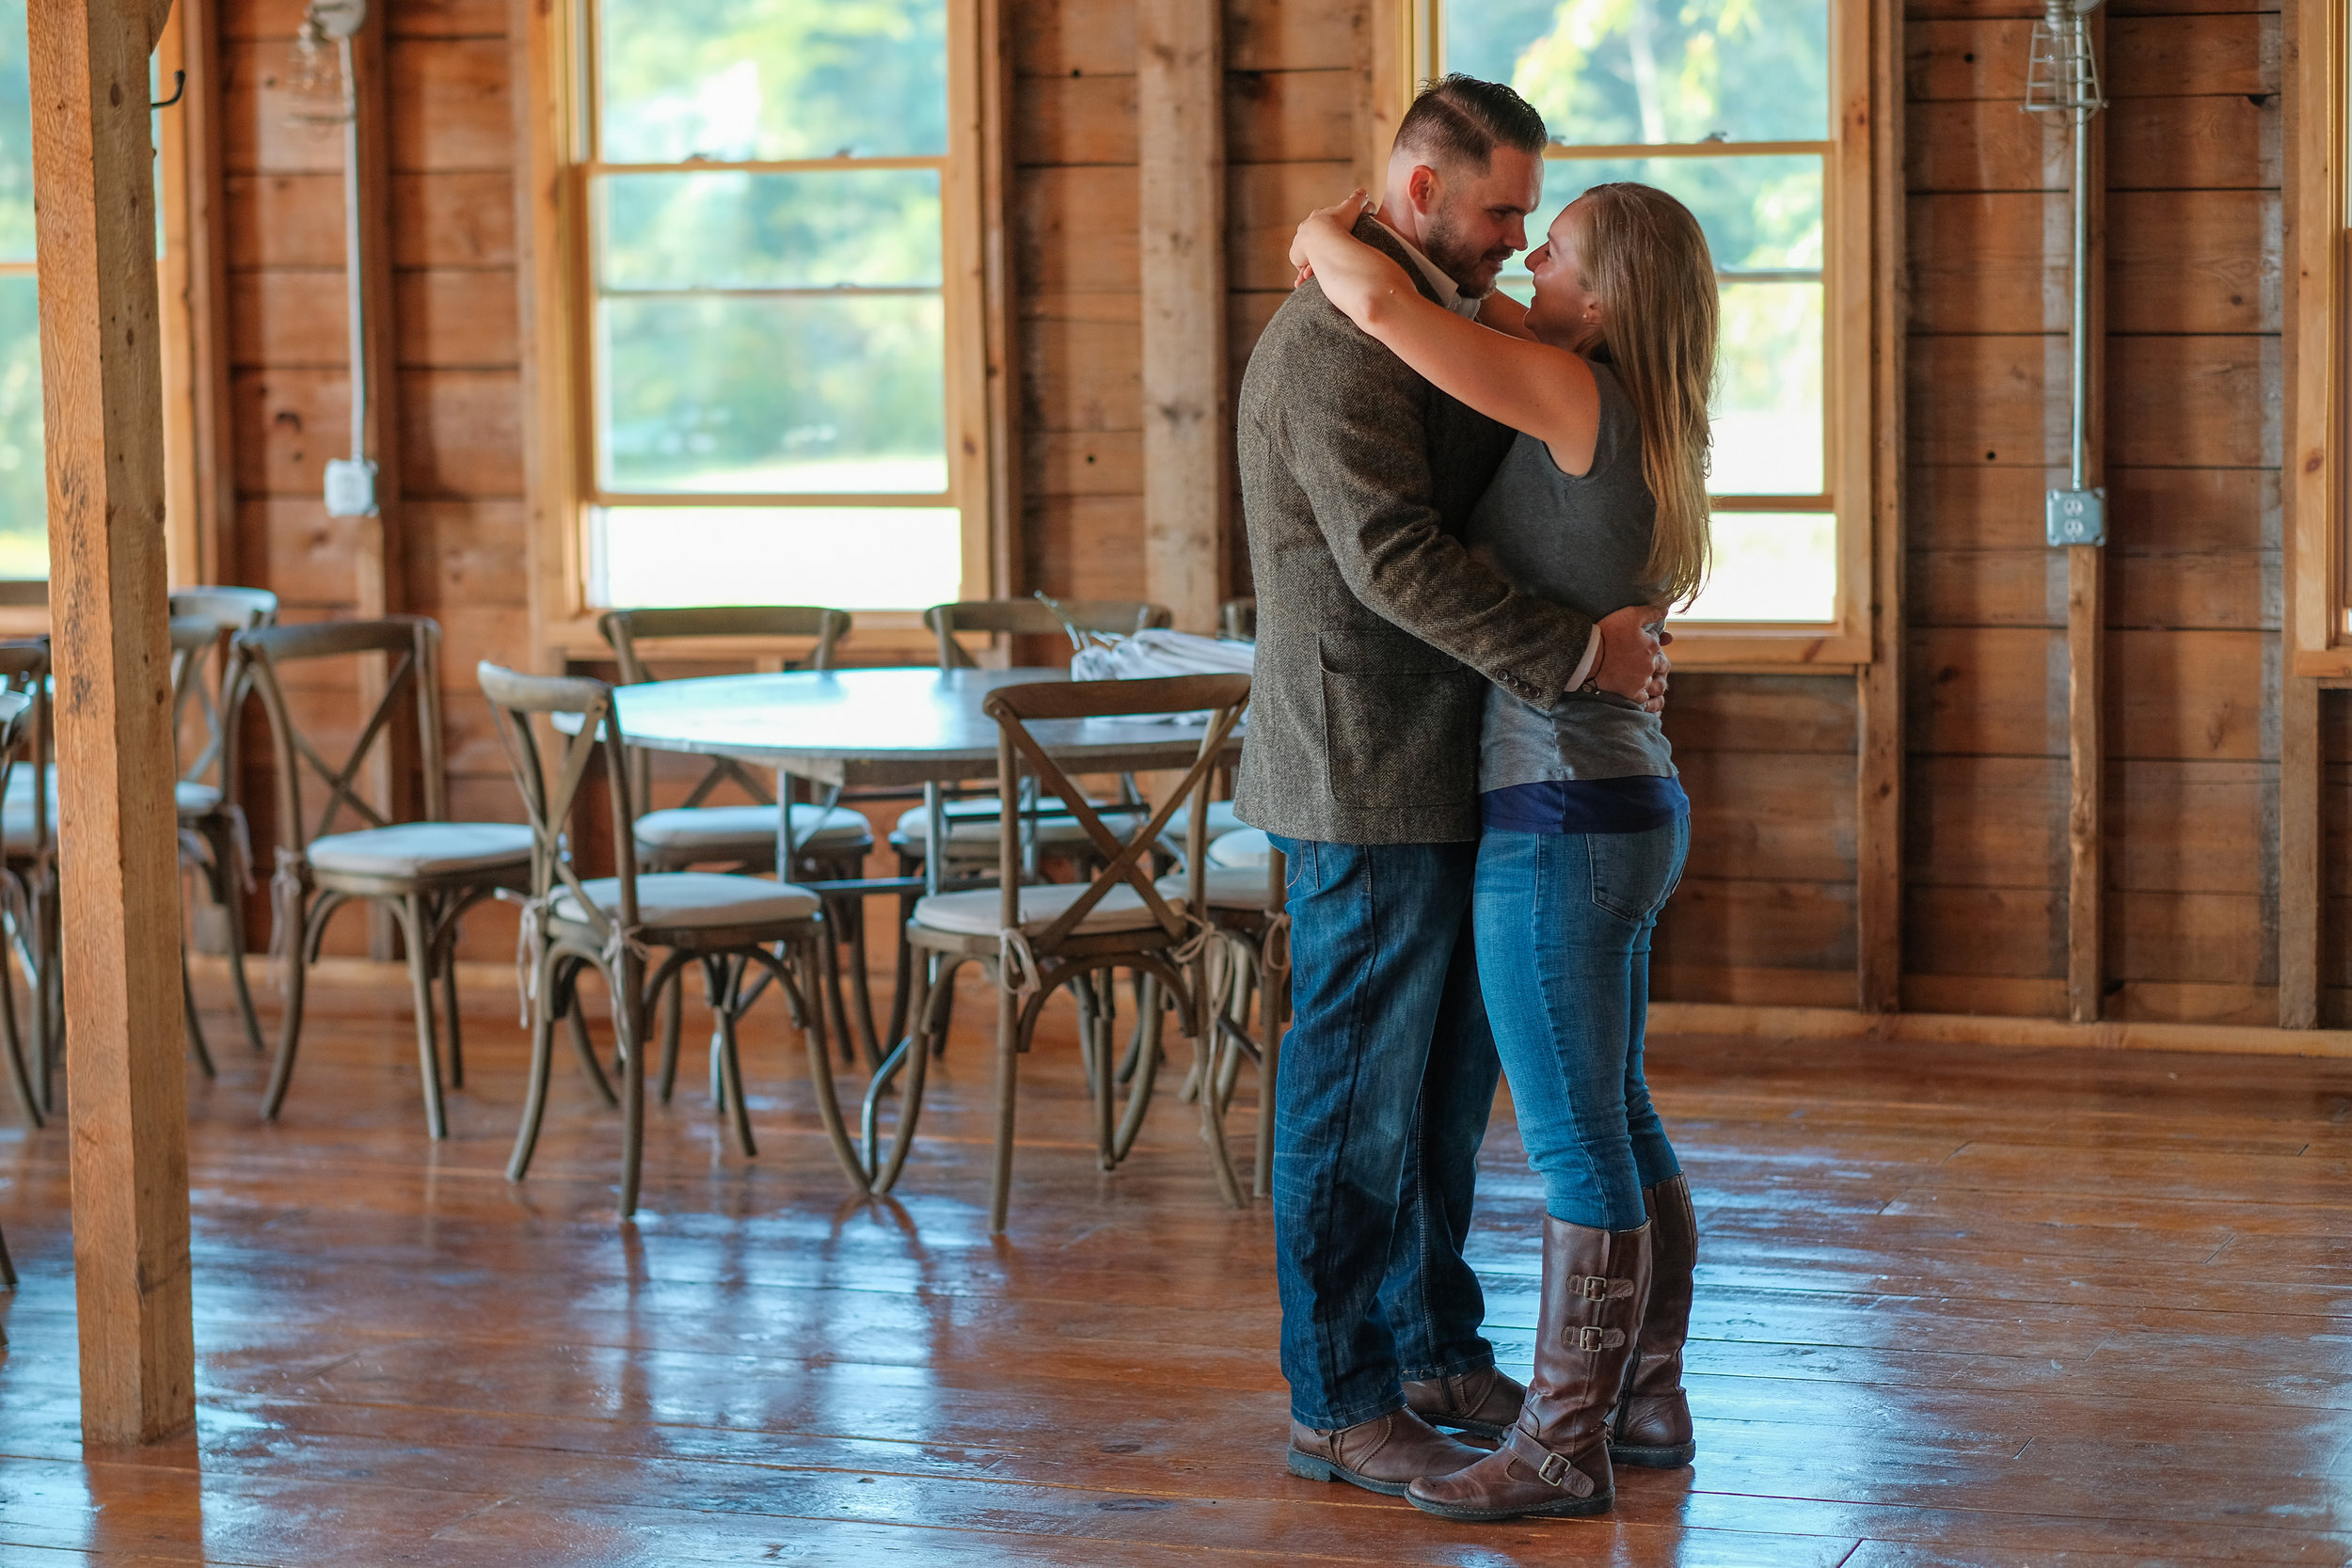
(1377, 636)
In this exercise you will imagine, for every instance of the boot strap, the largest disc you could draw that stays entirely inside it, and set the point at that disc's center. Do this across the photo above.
(1595, 1287)
(1551, 1468)
(1592, 1339)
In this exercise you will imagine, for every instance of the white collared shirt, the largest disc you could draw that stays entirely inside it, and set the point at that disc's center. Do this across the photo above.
(1449, 293)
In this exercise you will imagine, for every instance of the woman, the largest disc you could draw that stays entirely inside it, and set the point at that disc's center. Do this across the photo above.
(1600, 504)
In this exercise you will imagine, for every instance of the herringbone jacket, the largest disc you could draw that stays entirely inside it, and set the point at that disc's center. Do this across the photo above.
(1377, 634)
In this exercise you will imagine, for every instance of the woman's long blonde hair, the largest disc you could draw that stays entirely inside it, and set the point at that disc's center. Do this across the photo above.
(1644, 254)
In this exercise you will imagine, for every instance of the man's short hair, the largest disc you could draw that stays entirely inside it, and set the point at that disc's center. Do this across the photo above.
(1461, 119)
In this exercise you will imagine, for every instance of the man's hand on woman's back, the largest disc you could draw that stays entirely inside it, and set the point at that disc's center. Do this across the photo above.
(1633, 663)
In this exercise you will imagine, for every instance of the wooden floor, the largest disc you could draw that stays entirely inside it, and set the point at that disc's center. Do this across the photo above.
(1991, 1308)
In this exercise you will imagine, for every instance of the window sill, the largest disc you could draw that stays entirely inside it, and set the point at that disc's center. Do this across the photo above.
(1790, 650)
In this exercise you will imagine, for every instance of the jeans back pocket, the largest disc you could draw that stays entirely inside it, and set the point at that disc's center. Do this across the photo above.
(1634, 874)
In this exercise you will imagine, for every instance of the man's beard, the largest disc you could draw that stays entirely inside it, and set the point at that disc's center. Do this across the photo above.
(1471, 269)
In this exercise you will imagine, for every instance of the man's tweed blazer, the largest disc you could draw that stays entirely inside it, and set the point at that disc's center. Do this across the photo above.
(1377, 633)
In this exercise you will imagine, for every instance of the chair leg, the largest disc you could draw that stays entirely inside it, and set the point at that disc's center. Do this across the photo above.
(629, 1023)
(295, 922)
(1105, 984)
(195, 1025)
(7, 1268)
(584, 1044)
(668, 1012)
(449, 1011)
(1269, 1062)
(410, 912)
(1008, 1042)
(232, 906)
(726, 998)
(20, 1077)
(35, 949)
(542, 1062)
(1204, 1033)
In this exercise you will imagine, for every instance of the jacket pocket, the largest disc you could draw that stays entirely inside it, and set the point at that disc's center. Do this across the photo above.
(1399, 722)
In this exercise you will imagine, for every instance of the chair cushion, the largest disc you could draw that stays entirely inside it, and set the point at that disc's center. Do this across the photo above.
(722, 829)
(1233, 889)
(1221, 821)
(422, 849)
(976, 914)
(189, 800)
(979, 837)
(693, 898)
(1248, 848)
(16, 823)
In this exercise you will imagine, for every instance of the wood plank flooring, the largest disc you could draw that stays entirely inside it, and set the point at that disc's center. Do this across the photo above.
(1957, 1306)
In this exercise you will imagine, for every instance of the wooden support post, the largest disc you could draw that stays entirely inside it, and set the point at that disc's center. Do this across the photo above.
(94, 180)
(2312, 486)
(1879, 833)
(378, 554)
(1179, 94)
(2086, 886)
(2086, 621)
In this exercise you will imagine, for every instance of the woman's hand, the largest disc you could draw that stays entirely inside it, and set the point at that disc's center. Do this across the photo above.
(1325, 225)
(1355, 276)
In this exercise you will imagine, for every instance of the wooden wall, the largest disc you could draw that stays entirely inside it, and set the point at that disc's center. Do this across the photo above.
(2193, 398)
(452, 544)
(1767, 913)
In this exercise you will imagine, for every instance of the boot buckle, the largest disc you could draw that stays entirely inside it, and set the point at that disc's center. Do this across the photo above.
(1552, 1468)
(1596, 1286)
(1593, 1339)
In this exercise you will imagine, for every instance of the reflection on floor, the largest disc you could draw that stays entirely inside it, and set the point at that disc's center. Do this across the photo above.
(1982, 1308)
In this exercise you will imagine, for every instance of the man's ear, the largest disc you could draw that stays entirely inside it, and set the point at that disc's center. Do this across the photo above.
(1424, 187)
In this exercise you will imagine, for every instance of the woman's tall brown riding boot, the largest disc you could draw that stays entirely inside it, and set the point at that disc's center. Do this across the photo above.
(1653, 1426)
(1555, 1461)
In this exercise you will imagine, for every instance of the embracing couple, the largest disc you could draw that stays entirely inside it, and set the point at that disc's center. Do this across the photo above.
(1466, 519)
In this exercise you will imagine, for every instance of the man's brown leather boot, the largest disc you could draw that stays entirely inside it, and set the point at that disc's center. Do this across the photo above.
(1653, 1426)
(1485, 1402)
(1379, 1455)
(1555, 1461)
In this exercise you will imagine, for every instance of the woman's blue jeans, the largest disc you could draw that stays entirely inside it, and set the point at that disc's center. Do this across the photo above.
(1563, 924)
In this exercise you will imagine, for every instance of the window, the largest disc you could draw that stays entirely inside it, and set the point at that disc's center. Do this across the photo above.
(23, 470)
(775, 306)
(1727, 104)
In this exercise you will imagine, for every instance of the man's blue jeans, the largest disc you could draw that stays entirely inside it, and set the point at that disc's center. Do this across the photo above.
(1387, 1079)
(1563, 927)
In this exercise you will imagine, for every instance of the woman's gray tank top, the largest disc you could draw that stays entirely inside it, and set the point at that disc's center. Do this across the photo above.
(1580, 541)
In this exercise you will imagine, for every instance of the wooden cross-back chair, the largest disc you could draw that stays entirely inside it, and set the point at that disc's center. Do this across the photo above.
(209, 683)
(695, 834)
(28, 858)
(1244, 900)
(1034, 618)
(427, 872)
(830, 841)
(971, 821)
(1040, 938)
(724, 924)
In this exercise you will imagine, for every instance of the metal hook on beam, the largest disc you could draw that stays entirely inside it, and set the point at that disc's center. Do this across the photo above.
(179, 91)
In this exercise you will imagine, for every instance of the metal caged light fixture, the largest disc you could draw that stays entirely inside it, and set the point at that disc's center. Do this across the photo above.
(2063, 78)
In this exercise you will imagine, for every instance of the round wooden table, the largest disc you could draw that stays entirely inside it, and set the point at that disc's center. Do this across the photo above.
(882, 728)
